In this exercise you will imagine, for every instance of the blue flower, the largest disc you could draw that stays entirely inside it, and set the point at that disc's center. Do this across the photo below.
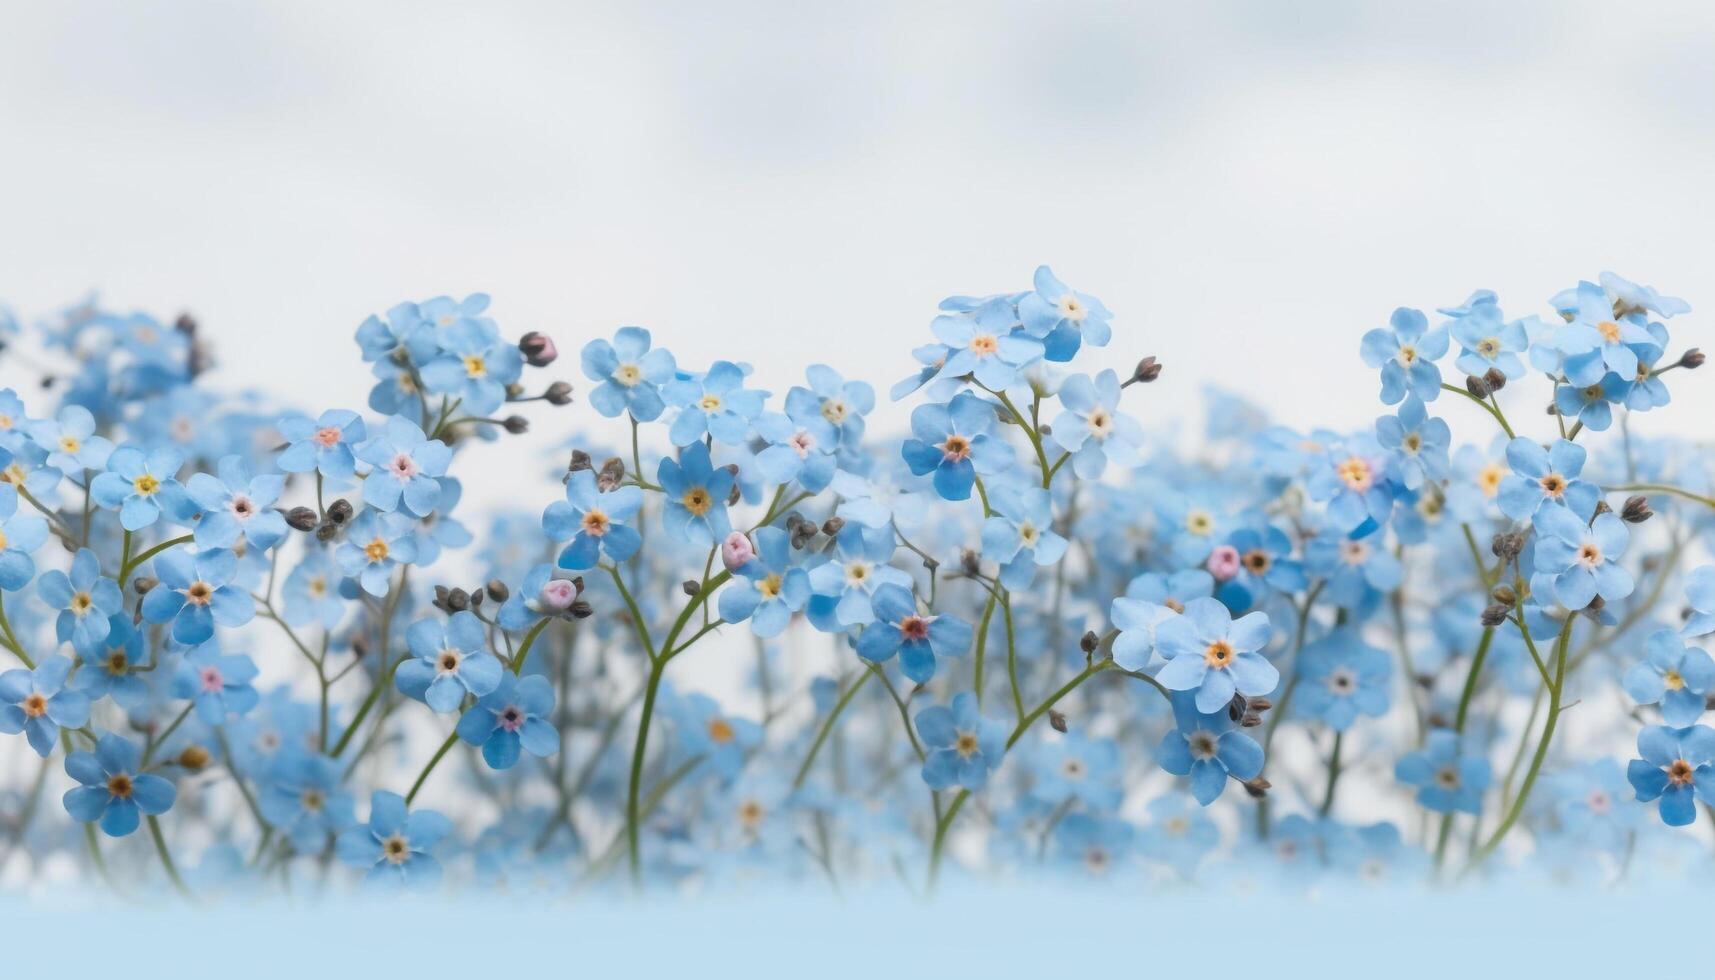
(1592, 404)
(766, 590)
(984, 344)
(113, 790)
(1063, 317)
(1446, 779)
(1486, 343)
(85, 601)
(1700, 596)
(448, 660)
(1077, 767)
(963, 747)
(631, 374)
(303, 799)
(107, 667)
(844, 586)
(1678, 766)
(795, 451)
(511, 718)
(1209, 653)
(1096, 844)
(217, 684)
(1091, 428)
(1265, 564)
(235, 506)
(323, 444)
(1353, 480)
(1208, 746)
(832, 408)
(394, 845)
(1580, 562)
(196, 594)
(1406, 353)
(1675, 675)
(918, 639)
(312, 593)
(20, 535)
(1597, 342)
(475, 366)
(953, 442)
(696, 496)
(1020, 535)
(405, 464)
(723, 741)
(70, 442)
(138, 485)
(595, 522)
(716, 404)
(37, 703)
(374, 545)
(404, 331)
(1340, 677)
(1419, 444)
(1543, 478)
(1357, 567)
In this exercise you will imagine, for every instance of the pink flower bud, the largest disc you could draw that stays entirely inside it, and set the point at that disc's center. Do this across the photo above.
(736, 551)
(558, 595)
(539, 349)
(1223, 562)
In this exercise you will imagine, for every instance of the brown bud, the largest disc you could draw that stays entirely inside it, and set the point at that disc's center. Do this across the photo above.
(497, 590)
(1147, 370)
(326, 531)
(1250, 720)
(1692, 358)
(359, 647)
(516, 424)
(1261, 704)
(1494, 379)
(833, 526)
(143, 583)
(1507, 545)
(1056, 721)
(302, 519)
(1636, 510)
(1476, 386)
(580, 461)
(340, 511)
(690, 587)
(1504, 594)
(194, 758)
(1258, 787)
(1602, 508)
(558, 393)
(1089, 641)
(538, 349)
(969, 561)
(1493, 615)
(611, 476)
(581, 609)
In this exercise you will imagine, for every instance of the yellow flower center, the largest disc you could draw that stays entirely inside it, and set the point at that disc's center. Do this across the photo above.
(696, 500)
(595, 522)
(965, 743)
(1218, 655)
(199, 594)
(720, 731)
(475, 366)
(769, 587)
(1354, 472)
(1489, 346)
(35, 705)
(396, 849)
(1200, 522)
(81, 602)
(1609, 330)
(119, 785)
(1489, 479)
(70, 444)
(375, 550)
(984, 344)
(627, 374)
(1681, 773)
(1674, 679)
(1071, 309)
(835, 410)
(146, 485)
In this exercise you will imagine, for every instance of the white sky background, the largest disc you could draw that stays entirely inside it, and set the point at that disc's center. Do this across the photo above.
(1248, 186)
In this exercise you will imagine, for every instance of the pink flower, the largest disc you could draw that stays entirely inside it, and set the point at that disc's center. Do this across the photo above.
(558, 595)
(736, 551)
(1223, 562)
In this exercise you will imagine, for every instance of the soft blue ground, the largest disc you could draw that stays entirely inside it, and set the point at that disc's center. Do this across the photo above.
(999, 932)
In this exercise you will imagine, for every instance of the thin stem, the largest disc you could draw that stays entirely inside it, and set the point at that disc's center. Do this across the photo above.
(827, 727)
(1484, 405)
(1536, 761)
(1663, 488)
(434, 761)
(1333, 774)
(126, 569)
(167, 858)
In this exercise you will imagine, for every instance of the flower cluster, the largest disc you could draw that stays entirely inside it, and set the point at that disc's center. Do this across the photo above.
(264, 636)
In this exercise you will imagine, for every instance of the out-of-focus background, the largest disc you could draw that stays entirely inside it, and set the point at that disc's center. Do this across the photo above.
(1249, 186)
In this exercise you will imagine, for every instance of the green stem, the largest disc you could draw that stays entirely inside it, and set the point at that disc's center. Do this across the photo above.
(434, 761)
(1663, 488)
(1333, 774)
(1536, 761)
(127, 568)
(982, 647)
(167, 858)
(1485, 406)
(827, 727)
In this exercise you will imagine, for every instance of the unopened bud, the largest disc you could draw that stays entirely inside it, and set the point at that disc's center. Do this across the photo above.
(833, 526)
(1636, 510)
(497, 590)
(1504, 594)
(558, 393)
(516, 424)
(1476, 386)
(736, 551)
(969, 561)
(1056, 721)
(611, 475)
(538, 349)
(1507, 545)
(1601, 508)
(580, 461)
(557, 595)
(1495, 379)
(1692, 358)
(359, 647)
(581, 609)
(1147, 370)
(302, 519)
(339, 511)
(1250, 720)
(1257, 788)
(690, 587)
(194, 758)
(1089, 641)
(326, 531)
(143, 583)
(1493, 615)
